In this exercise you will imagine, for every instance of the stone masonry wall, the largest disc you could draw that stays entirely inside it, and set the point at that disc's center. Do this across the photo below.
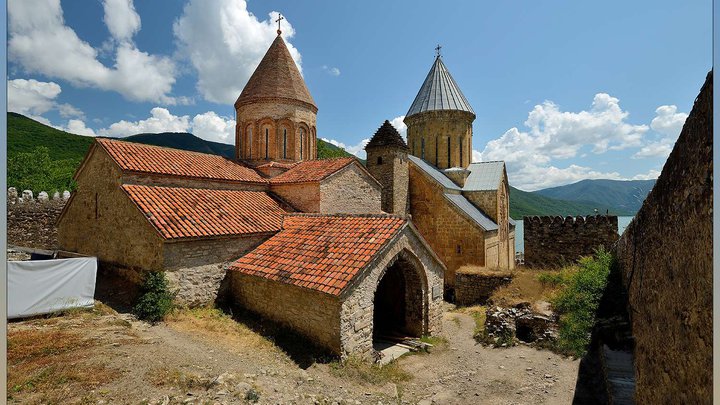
(313, 314)
(665, 259)
(352, 191)
(303, 196)
(435, 127)
(472, 288)
(199, 252)
(32, 224)
(554, 241)
(356, 320)
(454, 238)
(389, 165)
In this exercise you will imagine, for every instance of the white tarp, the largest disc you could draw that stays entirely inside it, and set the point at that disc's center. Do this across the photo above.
(42, 286)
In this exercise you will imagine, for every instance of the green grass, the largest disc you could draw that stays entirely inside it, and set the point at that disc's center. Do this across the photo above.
(364, 372)
(577, 301)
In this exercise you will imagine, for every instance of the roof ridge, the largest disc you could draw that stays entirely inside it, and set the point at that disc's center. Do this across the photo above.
(166, 147)
(343, 215)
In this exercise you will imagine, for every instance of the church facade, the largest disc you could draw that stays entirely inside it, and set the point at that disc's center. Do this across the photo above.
(343, 253)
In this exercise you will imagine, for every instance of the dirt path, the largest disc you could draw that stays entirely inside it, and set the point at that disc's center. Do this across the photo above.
(174, 363)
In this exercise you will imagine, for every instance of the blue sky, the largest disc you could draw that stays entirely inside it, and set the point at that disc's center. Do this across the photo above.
(562, 90)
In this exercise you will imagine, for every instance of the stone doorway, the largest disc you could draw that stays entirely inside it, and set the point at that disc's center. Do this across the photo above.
(400, 305)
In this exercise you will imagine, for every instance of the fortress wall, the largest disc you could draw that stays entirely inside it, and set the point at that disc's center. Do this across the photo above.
(552, 241)
(665, 259)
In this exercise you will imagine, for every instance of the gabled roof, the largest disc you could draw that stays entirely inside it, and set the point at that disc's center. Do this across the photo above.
(439, 92)
(387, 135)
(472, 211)
(137, 157)
(276, 78)
(196, 213)
(484, 176)
(312, 170)
(320, 252)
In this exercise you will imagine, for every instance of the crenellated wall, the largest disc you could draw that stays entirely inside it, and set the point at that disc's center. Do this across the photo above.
(553, 241)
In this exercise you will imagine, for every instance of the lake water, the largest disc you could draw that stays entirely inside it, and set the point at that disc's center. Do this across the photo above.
(623, 222)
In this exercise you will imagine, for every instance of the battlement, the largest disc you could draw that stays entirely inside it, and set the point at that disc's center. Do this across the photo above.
(551, 241)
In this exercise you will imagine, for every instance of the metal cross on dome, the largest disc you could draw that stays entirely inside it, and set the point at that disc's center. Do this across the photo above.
(280, 18)
(437, 50)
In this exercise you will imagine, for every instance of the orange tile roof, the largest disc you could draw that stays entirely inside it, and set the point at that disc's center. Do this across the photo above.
(191, 213)
(320, 252)
(312, 170)
(138, 157)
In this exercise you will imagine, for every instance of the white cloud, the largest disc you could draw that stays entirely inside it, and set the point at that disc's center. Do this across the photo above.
(78, 127)
(221, 36)
(398, 123)
(333, 71)
(66, 110)
(41, 43)
(534, 177)
(160, 120)
(668, 121)
(661, 148)
(212, 127)
(650, 175)
(357, 150)
(208, 126)
(31, 97)
(121, 19)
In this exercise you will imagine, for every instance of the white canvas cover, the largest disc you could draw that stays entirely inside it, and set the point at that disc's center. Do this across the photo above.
(42, 286)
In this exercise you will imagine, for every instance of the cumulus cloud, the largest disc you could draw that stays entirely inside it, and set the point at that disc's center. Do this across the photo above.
(551, 134)
(78, 127)
(668, 121)
(121, 19)
(208, 126)
(32, 97)
(221, 36)
(332, 71)
(398, 123)
(41, 43)
(650, 175)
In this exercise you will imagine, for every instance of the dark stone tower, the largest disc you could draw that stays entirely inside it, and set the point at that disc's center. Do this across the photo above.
(387, 161)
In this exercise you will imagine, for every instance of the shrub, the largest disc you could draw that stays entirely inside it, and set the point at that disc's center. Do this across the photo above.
(156, 300)
(577, 302)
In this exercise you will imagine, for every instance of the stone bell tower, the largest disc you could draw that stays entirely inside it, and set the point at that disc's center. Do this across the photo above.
(275, 113)
(439, 122)
(387, 161)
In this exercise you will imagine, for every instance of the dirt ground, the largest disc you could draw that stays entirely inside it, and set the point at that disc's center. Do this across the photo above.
(104, 357)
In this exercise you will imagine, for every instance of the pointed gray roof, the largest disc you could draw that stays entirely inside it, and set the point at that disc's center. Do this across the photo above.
(439, 92)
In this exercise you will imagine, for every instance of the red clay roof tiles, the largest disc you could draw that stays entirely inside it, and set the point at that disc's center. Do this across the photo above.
(320, 252)
(190, 213)
(138, 157)
(312, 170)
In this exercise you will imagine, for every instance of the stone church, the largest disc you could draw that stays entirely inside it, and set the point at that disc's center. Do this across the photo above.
(341, 252)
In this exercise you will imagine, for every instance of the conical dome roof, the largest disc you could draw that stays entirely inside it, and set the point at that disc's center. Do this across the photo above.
(439, 92)
(387, 135)
(276, 77)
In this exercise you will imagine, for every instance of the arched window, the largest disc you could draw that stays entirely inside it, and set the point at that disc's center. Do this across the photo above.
(249, 142)
(302, 140)
(284, 143)
(379, 160)
(267, 141)
(461, 153)
(449, 152)
(422, 148)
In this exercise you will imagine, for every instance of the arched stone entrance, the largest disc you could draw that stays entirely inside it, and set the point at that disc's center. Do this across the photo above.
(400, 300)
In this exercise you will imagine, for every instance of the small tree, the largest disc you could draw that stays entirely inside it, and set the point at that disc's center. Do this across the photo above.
(156, 300)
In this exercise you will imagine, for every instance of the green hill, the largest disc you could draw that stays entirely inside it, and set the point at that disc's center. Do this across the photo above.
(185, 141)
(524, 203)
(623, 195)
(25, 134)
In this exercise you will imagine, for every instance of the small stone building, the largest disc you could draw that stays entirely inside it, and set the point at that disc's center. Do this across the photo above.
(344, 280)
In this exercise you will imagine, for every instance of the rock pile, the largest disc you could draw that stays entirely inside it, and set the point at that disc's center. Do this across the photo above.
(503, 326)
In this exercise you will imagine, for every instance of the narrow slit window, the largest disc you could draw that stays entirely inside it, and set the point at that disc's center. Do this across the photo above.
(284, 143)
(422, 148)
(379, 160)
(461, 153)
(437, 139)
(449, 151)
(249, 143)
(302, 140)
(267, 138)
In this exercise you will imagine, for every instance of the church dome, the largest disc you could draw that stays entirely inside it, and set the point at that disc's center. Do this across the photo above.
(439, 92)
(276, 79)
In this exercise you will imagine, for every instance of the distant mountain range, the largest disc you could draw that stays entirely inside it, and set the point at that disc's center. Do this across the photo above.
(581, 198)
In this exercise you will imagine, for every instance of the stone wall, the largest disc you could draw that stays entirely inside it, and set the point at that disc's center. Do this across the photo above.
(435, 127)
(555, 241)
(312, 314)
(197, 286)
(304, 197)
(456, 239)
(389, 165)
(473, 287)
(101, 221)
(199, 252)
(32, 224)
(665, 259)
(357, 307)
(351, 191)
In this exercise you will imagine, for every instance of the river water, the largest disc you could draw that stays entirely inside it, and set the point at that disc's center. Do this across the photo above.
(623, 222)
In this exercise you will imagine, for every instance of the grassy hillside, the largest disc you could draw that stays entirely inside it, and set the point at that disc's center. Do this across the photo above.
(185, 141)
(25, 134)
(625, 196)
(526, 203)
